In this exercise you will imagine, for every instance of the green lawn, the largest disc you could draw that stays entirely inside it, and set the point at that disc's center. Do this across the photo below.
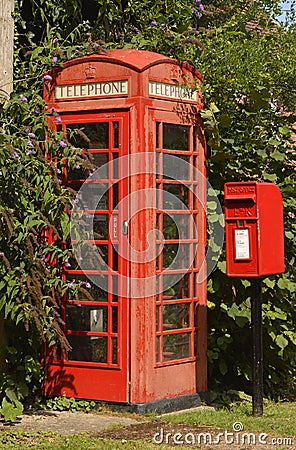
(278, 419)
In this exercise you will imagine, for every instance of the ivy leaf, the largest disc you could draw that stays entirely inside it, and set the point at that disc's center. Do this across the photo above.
(284, 283)
(269, 283)
(223, 367)
(285, 130)
(270, 177)
(278, 156)
(281, 341)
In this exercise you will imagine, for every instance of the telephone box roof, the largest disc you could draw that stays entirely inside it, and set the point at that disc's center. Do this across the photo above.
(138, 60)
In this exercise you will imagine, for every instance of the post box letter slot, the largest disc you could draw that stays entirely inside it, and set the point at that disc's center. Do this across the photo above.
(242, 243)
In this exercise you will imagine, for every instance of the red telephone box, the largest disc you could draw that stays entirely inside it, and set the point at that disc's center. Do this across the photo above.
(140, 339)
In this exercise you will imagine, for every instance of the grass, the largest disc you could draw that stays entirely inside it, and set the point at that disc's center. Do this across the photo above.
(51, 441)
(278, 419)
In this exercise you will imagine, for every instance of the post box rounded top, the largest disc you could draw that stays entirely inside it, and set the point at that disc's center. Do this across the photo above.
(138, 60)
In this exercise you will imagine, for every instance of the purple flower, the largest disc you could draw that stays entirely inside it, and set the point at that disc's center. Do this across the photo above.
(58, 170)
(23, 99)
(32, 135)
(77, 166)
(67, 264)
(71, 286)
(76, 200)
(54, 59)
(15, 155)
(1, 253)
(30, 143)
(62, 144)
(199, 4)
(55, 41)
(29, 152)
(58, 119)
(136, 30)
(88, 285)
(154, 23)
(36, 112)
(46, 78)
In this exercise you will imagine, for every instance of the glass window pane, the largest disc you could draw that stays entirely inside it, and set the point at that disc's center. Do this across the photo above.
(157, 318)
(177, 168)
(114, 351)
(177, 197)
(175, 137)
(175, 226)
(115, 288)
(175, 316)
(88, 348)
(91, 257)
(169, 254)
(92, 196)
(115, 196)
(89, 135)
(114, 319)
(115, 134)
(115, 165)
(115, 257)
(157, 144)
(99, 160)
(99, 225)
(87, 318)
(176, 346)
(89, 290)
(176, 256)
(175, 286)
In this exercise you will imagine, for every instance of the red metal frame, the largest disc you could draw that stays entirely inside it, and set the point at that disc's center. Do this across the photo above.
(113, 368)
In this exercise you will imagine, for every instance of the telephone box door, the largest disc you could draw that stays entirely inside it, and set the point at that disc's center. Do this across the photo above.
(97, 318)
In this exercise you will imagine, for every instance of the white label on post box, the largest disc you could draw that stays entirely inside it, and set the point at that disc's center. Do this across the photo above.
(242, 243)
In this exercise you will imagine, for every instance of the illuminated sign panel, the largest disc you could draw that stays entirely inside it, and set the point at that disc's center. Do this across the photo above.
(101, 89)
(171, 91)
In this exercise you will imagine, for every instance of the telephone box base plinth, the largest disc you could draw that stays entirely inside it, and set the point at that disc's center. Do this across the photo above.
(159, 406)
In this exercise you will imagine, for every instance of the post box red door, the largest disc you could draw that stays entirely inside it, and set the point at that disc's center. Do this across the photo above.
(96, 321)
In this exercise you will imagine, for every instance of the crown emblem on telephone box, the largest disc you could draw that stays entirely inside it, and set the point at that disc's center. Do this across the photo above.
(90, 72)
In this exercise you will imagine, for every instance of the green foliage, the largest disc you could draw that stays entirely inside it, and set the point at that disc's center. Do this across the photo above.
(69, 404)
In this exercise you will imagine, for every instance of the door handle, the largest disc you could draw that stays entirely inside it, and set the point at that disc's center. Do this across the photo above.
(125, 227)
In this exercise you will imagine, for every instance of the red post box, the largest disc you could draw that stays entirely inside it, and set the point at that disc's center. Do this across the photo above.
(135, 343)
(254, 229)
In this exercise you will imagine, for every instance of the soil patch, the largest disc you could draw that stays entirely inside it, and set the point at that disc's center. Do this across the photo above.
(208, 438)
